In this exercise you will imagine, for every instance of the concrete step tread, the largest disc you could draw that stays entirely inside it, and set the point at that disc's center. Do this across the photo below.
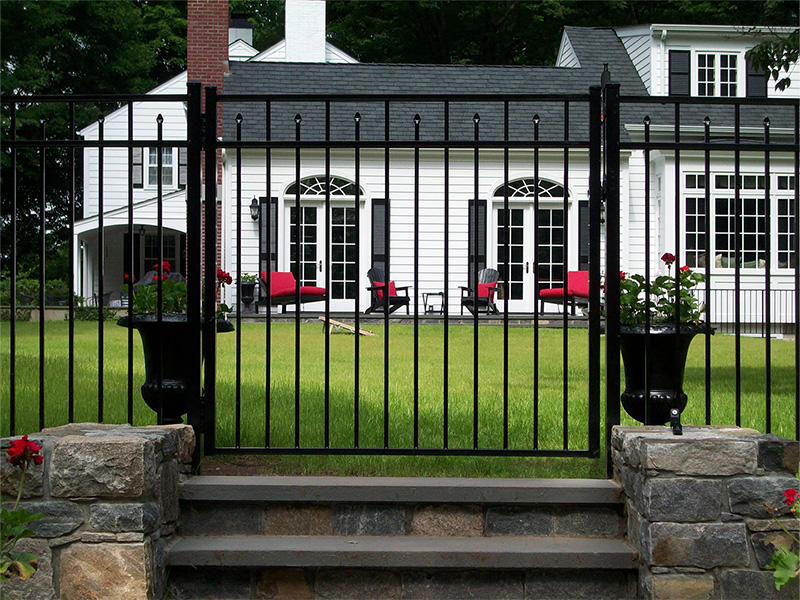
(363, 490)
(402, 552)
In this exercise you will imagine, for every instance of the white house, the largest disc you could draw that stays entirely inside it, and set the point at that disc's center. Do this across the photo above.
(656, 60)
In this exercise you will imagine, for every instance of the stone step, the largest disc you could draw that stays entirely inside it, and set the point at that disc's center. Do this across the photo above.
(521, 553)
(400, 507)
(417, 490)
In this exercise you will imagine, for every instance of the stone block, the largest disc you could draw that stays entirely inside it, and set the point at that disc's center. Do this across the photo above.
(214, 518)
(447, 520)
(682, 499)
(167, 491)
(124, 517)
(282, 584)
(752, 585)
(369, 520)
(458, 585)
(765, 544)
(751, 496)
(778, 454)
(58, 518)
(38, 587)
(351, 584)
(205, 583)
(683, 587)
(513, 520)
(595, 522)
(111, 467)
(704, 545)
(93, 537)
(701, 457)
(299, 520)
(588, 585)
(102, 571)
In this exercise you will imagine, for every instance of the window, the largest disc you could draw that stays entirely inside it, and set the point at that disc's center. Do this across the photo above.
(717, 75)
(722, 212)
(151, 252)
(146, 173)
(550, 250)
(166, 167)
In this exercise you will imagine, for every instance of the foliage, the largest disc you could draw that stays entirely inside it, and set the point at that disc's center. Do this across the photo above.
(174, 295)
(248, 277)
(14, 522)
(775, 55)
(784, 561)
(662, 300)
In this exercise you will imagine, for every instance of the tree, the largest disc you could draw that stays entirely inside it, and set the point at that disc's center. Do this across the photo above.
(777, 55)
(72, 47)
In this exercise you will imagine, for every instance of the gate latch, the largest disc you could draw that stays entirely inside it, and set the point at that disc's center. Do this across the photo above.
(675, 421)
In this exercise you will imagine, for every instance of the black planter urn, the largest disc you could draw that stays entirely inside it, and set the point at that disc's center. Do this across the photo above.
(172, 334)
(659, 369)
(248, 293)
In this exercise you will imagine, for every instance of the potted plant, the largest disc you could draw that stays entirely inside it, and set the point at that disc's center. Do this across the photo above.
(166, 370)
(248, 283)
(654, 350)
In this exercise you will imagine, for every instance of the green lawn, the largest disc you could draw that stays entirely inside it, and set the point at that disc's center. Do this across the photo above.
(401, 392)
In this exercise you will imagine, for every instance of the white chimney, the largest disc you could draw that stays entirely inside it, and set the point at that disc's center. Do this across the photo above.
(305, 30)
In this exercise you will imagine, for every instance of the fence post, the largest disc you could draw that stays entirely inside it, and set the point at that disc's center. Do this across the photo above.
(194, 226)
(595, 201)
(611, 189)
(210, 262)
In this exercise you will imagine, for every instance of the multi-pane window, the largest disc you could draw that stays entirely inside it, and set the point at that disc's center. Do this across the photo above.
(787, 236)
(167, 167)
(550, 248)
(344, 252)
(151, 251)
(705, 74)
(717, 74)
(304, 247)
(727, 75)
(752, 217)
(516, 248)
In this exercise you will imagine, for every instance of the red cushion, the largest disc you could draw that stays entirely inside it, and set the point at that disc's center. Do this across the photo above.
(310, 290)
(282, 283)
(392, 289)
(483, 289)
(552, 293)
(578, 284)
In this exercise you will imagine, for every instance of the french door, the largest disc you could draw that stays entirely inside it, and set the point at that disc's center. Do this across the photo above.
(307, 252)
(524, 258)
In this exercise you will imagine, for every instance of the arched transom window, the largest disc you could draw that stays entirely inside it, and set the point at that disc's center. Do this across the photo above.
(526, 188)
(315, 186)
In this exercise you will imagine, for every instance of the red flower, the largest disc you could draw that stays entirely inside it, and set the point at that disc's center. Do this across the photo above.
(165, 266)
(223, 277)
(22, 452)
(126, 277)
(791, 497)
(684, 268)
(668, 258)
(622, 275)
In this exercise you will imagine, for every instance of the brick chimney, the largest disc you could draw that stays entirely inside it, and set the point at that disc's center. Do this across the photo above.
(207, 41)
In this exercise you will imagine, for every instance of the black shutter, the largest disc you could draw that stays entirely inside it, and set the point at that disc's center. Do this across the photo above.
(270, 218)
(182, 167)
(756, 82)
(583, 235)
(138, 167)
(379, 217)
(679, 80)
(481, 241)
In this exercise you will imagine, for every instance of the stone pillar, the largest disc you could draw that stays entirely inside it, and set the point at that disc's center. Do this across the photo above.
(108, 495)
(699, 508)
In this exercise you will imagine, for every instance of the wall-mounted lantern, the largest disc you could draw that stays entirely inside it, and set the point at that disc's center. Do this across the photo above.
(254, 209)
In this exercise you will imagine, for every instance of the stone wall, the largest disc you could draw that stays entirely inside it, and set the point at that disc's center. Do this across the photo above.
(699, 509)
(108, 496)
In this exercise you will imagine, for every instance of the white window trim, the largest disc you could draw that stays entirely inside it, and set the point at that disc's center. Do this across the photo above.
(740, 72)
(757, 194)
(153, 183)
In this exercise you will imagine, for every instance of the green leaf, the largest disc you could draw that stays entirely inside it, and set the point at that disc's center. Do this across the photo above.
(785, 564)
(22, 565)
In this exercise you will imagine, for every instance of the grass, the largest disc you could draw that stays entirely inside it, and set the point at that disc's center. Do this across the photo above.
(253, 399)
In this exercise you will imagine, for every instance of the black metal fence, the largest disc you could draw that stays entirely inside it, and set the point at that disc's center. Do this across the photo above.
(431, 189)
